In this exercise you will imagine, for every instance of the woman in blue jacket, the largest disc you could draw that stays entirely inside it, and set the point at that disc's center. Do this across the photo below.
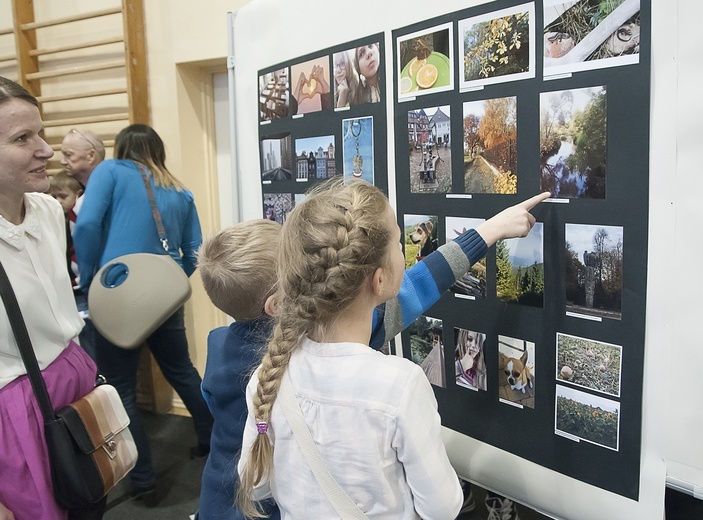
(116, 220)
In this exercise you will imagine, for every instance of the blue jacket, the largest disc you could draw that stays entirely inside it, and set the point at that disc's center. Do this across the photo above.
(116, 220)
(235, 351)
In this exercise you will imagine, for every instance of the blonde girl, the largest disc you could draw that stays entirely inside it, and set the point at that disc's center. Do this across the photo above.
(346, 79)
(469, 359)
(373, 417)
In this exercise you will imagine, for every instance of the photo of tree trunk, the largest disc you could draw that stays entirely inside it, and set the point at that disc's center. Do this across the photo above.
(520, 269)
(573, 147)
(594, 256)
(490, 146)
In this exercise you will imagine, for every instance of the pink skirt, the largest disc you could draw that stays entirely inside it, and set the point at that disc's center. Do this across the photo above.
(25, 478)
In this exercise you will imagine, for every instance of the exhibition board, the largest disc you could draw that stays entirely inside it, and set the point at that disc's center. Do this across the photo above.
(623, 471)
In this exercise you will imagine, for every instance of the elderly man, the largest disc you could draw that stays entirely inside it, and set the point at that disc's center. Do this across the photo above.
(82, 151)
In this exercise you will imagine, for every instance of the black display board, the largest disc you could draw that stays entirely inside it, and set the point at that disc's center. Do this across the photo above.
(582, 132)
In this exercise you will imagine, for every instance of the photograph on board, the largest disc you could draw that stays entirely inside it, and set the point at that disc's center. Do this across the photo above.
(430, 150)
(589, 363)
(276, 158)
(594, 256)
(277, 206)
(590, 34)
(425, 62)
(427, 348)
(497, 47)
(573, 143)
(274, 95)
(420, 232)
(516, 372)
(469, 359)
(357, 149)
(357, 75)
(310, 82)
(520, 269)
(490, 146)
(299, 198)
(314, 158)
(585, 417)
(472, 284)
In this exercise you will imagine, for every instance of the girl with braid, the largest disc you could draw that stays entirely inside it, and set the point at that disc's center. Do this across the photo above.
(373, 417)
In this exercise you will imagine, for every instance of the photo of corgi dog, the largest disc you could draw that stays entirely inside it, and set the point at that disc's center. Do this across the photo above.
(520, 374)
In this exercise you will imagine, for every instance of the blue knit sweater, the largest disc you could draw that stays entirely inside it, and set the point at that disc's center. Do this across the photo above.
(116, 220)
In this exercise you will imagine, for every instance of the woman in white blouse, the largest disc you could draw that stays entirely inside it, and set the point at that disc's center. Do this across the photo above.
(32, 252)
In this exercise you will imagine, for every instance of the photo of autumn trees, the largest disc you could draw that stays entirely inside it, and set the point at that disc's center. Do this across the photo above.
(520, 269)
(594, 256)
(573, 146)
(497, 47)
(490, 146)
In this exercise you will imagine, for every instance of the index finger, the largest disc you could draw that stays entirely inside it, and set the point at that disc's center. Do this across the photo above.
(533, 201)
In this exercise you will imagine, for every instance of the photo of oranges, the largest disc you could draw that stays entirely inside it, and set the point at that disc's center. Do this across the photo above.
(423, 74)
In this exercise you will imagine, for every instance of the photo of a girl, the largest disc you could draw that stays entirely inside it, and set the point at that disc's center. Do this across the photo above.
(469, 361)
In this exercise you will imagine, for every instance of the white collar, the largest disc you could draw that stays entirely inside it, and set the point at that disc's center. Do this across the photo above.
(14, 234)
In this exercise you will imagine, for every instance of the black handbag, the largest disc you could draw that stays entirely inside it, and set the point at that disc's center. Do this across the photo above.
(89, 443)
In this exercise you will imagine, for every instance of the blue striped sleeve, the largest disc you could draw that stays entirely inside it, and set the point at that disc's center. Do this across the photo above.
(424, 283)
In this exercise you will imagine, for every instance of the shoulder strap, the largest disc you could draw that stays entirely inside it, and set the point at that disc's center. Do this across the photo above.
(154, 208)
(345, 506)
(25, 345)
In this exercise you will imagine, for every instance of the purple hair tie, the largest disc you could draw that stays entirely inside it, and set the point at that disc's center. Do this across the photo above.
(262, 427)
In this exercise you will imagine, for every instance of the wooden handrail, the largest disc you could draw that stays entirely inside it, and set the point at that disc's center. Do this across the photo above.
(75, 70)
(68, 19)
(85, 120)
(86, 45)
(81, 95)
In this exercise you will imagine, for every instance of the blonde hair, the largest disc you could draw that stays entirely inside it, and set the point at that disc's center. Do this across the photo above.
(329, 247)
(63, 180)
(141, 144)
(238, 267)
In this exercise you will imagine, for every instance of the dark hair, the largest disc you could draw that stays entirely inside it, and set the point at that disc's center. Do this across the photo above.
(12, 90)
(140, 143)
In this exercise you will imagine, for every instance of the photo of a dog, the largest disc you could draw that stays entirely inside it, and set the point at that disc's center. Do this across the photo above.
(516, 374)
(420, 237)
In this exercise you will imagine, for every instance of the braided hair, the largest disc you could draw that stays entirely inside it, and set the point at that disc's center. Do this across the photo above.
(330, 246)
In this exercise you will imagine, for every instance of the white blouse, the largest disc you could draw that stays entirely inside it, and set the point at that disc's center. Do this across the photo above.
(374, 419)
(34, 257)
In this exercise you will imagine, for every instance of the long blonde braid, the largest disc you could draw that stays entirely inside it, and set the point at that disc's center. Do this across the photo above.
(329, 246)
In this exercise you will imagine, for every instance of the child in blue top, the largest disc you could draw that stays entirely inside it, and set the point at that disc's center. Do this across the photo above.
(238, 269)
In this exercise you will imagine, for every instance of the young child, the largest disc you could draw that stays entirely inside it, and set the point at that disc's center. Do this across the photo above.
(66, 190)
(337, 264)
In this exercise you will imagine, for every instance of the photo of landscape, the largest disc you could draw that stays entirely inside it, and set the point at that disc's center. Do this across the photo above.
(520, 269)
